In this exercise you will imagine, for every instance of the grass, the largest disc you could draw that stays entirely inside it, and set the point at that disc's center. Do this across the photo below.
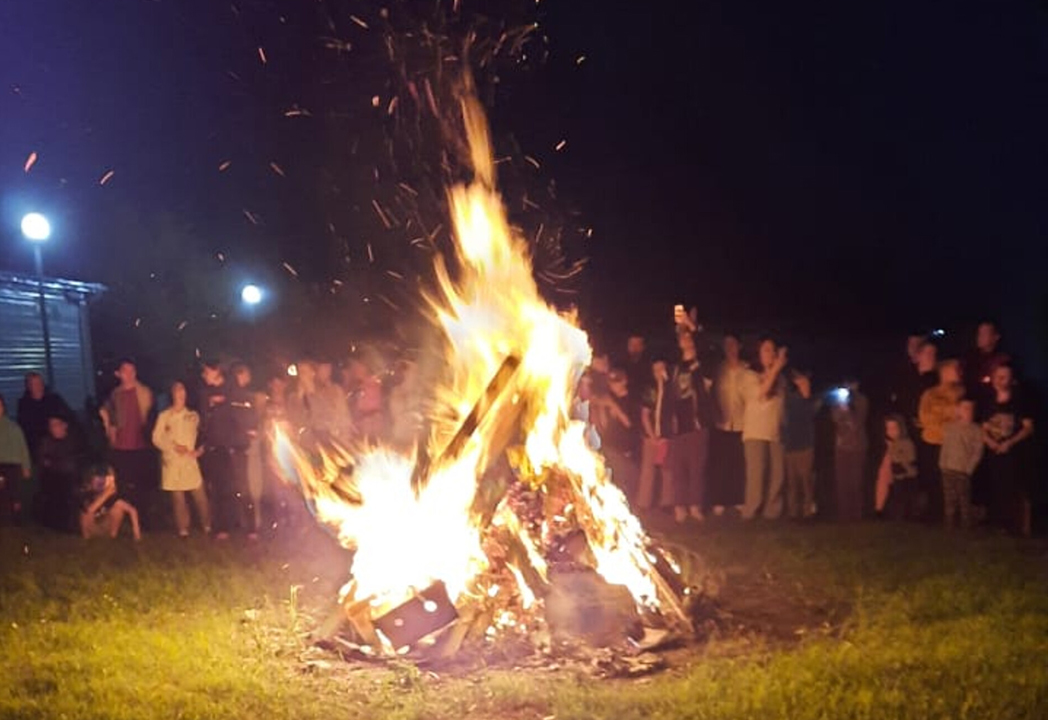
(868, 621)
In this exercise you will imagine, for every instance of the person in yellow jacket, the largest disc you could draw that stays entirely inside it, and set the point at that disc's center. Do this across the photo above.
(175, 435)
(938, 406)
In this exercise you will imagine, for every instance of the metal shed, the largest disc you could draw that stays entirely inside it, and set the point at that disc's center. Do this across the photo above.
(22, 336)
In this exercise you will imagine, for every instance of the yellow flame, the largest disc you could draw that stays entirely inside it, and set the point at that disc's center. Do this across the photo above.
(490, 308)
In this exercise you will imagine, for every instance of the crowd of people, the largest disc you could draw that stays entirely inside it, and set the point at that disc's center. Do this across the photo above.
(204, 444)
(688, 433)
(951, 443)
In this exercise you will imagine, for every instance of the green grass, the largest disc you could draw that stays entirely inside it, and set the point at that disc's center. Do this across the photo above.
(868, 621)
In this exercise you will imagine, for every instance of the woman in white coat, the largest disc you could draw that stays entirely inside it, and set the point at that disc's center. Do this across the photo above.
(175, 435)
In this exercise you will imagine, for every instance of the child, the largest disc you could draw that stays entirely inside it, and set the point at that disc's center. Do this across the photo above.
(898, 469)
(962, 449)
(103, 511)
(938, 406)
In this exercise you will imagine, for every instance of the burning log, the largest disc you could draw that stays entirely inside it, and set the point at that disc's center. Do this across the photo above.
(492, 397)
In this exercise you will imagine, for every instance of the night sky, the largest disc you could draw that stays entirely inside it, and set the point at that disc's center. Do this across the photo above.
(831, 169)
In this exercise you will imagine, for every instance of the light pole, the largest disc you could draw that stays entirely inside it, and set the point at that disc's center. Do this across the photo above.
(37, 229)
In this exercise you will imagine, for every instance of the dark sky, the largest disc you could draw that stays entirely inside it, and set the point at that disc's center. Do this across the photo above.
(829, 167)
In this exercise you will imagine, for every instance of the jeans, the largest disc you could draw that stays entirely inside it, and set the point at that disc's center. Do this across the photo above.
(225, 476)
(763, 459)
(957, 498)
(646, 490)
(726, 476)
(800, 482)
(624, 471)
(848, 472)
(687, 461)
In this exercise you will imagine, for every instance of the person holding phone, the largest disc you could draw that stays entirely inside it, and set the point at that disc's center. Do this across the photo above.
(764, 395)
(692, 417)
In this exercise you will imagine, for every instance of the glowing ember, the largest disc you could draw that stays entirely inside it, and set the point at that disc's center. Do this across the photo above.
(416, 525)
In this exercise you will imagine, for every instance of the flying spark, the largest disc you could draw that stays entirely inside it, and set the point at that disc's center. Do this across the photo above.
(262, 55)
(30, 161)
(277, 169)
(107, 177)
(359, 22)
(224, 165)
(292, 271)
(560, 146)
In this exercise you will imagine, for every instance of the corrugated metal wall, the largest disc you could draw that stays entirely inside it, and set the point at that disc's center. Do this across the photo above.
(22, 343)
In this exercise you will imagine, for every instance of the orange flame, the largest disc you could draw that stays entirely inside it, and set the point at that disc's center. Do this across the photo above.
(407, 538)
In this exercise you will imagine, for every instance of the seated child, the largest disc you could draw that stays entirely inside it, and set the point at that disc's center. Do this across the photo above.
(103, 510)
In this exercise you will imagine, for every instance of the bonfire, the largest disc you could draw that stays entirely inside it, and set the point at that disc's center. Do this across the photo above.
(504, 522)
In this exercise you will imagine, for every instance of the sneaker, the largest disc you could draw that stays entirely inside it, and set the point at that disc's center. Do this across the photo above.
(718, 510)
(252, 537)
(680, 514)
(696, 513)
(222, 536)
(183, 534)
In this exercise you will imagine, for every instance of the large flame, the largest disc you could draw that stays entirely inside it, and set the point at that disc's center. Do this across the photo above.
(408, 535)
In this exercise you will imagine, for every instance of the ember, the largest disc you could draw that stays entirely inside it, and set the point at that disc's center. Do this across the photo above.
(503, 523)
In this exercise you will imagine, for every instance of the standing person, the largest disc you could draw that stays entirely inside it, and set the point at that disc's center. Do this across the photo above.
(60, 459)
(175, 435)
(329, 408)
(656, 420)
(279, 497)
(764, 395)
(897, 471)
(636, 364)
(981, 362)
(36, 407)
(218, 440)
(962, 449)
(245, 421)
(799, 442)
(365, 400)
(126, 419)
(619, 429)
(298, 399)
(1007, 427)
(15, 465)
(905, 378)
(938, 406)
(693, 416)
(849, 415)
(924, 375)
(581, 410)
(727, 476)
